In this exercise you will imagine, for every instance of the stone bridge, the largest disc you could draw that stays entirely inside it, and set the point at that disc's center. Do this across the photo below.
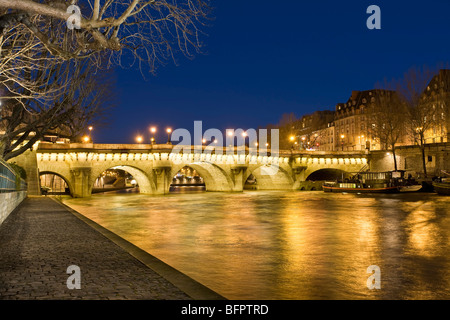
(154, 166)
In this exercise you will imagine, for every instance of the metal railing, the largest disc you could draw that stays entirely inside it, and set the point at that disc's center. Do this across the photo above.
(10, 181)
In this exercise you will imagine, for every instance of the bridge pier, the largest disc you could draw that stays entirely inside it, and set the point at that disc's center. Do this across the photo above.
(237, 176)
(162, 179)
(81, 182)
(298, 173)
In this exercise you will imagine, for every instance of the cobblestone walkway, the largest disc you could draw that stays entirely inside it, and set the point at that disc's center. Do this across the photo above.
(41, 239)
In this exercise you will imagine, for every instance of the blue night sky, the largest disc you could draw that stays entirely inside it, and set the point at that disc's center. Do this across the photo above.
(265, 58)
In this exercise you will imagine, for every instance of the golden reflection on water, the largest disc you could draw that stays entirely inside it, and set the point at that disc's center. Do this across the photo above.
(289, 245)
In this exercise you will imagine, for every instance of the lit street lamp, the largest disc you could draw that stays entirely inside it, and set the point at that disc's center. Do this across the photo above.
(153, 131)
(139, 139)
(342, 141)
(292, 138)
(86, 139)
(90, 128)
(169, 131)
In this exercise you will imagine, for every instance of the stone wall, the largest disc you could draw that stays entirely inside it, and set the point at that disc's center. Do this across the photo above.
(409, 158)
(9, 201)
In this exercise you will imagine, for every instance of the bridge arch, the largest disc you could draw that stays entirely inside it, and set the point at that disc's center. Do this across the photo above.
(270, 177)
(328, 174)
(65, 179)
(142, 179)
(215, 178)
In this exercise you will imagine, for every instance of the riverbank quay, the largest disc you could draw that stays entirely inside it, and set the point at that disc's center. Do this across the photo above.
(50, 252)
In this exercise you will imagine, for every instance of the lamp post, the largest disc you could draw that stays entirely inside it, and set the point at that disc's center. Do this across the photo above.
(292, 138)
(139, 139)
(153, 131)
(90, 128)
(342, 141)
(169, 131)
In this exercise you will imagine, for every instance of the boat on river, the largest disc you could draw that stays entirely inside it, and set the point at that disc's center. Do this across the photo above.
(373, 182)
(442, 185)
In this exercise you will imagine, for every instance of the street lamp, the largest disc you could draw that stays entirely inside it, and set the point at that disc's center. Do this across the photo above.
(169, 131)
(292, 138)
(342, 141)
(85, 139)
(139, 139)
(153, 131)
(90, 128)
(303, 142)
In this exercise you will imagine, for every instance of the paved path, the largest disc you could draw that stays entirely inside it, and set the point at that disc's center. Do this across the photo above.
(41, 238)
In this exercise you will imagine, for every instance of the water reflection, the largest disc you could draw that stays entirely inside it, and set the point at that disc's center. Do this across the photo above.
(289, 245)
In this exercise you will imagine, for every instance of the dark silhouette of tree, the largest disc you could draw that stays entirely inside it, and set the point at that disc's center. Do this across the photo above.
(26, 119)
(388, 118)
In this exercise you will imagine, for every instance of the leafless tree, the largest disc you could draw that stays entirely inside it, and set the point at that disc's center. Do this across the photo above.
(25, 119)
(151, 30)
(287, 128)
(388, 118)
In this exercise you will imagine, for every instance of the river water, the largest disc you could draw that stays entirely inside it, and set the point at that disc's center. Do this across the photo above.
(290, 245)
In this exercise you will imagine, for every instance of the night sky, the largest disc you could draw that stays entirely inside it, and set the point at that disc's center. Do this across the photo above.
(265, 58)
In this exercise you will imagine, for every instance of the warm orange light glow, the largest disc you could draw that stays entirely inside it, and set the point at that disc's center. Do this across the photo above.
(292, 138)
(204, 140)
(169, 130)
(91, 128)
(342, 136)
(153, 129)
(139, 139)
(85, 139)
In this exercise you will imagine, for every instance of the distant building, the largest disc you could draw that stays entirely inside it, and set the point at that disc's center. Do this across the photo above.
(437, 97)
(313, 129)
(352, 122)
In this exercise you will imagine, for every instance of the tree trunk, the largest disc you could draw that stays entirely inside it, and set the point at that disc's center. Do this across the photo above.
(395, 158)
(424, 164)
